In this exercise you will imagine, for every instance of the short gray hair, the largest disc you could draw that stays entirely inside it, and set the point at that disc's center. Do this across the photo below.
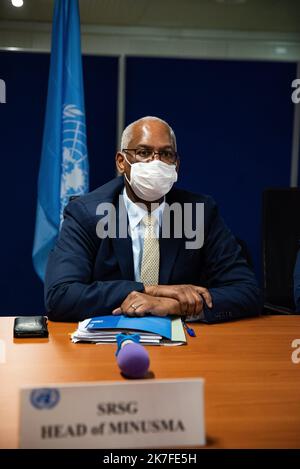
(127, 132)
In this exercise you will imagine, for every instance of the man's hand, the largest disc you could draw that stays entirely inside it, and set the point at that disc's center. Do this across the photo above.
(189, 296)
(139, 304)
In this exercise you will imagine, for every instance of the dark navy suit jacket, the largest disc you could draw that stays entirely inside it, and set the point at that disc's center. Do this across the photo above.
(88, 276)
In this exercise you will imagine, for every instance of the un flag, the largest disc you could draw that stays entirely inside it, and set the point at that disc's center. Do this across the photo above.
(64, 161)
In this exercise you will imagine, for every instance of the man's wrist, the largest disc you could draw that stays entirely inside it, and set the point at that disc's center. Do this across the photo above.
(173, 306)
(150, 290)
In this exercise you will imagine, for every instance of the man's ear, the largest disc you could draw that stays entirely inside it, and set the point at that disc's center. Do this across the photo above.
(120, 162)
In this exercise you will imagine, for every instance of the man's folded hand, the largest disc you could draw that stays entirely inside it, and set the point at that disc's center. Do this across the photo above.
(139, 304)
(162, 300)
(190, 297)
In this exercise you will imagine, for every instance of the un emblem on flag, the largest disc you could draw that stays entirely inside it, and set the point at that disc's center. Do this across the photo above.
(74, 179)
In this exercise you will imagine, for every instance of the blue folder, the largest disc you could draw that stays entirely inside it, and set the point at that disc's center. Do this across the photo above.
(156, 325)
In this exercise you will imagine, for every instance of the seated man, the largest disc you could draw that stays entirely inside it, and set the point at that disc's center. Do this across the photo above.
(136, 245)
(297, 283)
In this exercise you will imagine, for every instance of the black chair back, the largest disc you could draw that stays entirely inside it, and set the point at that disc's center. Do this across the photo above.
(281, 234)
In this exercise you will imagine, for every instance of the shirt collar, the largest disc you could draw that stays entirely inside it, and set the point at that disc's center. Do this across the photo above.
(136, 212)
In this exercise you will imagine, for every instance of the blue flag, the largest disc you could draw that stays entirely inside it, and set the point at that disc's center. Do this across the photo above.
(64, 162)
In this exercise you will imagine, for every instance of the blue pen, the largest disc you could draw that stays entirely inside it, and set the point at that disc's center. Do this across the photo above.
(189, 330)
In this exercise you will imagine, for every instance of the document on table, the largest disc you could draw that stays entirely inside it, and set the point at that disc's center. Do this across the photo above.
(153, 330)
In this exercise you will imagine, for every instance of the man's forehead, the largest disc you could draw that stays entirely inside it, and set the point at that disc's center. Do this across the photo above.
(148, 131)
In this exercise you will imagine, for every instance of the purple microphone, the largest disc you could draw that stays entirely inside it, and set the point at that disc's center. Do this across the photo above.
(132, 357)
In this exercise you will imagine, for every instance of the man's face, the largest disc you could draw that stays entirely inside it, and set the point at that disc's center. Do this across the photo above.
(151, 135)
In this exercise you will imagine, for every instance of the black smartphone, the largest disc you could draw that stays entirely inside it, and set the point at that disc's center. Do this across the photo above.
(30, 326)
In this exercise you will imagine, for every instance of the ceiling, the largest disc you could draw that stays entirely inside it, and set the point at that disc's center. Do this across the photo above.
(240, 15)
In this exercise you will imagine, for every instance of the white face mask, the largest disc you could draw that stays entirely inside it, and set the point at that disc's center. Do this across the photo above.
(151, 181)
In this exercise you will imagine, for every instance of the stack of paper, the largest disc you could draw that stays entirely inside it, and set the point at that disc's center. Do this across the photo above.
(153, 330)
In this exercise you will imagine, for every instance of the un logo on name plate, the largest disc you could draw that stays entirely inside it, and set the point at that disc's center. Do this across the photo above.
(44, 398)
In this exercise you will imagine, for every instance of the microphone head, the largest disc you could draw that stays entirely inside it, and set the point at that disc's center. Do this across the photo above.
(133, 360)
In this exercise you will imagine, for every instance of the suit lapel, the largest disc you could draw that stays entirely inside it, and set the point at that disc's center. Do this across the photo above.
(122, 244)
(168, 247)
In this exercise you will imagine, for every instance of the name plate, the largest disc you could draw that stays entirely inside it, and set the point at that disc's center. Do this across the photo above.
(135, 414)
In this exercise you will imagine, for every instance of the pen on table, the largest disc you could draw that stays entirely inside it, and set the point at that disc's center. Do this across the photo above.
(189, 330)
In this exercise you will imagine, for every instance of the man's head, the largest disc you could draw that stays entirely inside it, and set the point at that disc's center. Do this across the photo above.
(145, 141)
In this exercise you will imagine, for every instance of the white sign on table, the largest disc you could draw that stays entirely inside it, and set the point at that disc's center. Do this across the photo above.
(136, 414)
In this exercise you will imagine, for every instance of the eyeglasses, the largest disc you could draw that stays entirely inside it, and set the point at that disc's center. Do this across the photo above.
(148, 154)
